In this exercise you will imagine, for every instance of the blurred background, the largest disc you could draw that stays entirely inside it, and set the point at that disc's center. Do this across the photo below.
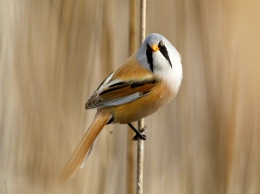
(54, 54)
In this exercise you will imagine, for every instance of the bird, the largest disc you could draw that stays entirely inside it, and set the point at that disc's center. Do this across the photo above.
(139, 87)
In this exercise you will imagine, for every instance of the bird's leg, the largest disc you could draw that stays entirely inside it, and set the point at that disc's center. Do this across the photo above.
(138, 134)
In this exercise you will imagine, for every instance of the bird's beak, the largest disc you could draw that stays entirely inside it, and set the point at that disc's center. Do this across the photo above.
(154, 48)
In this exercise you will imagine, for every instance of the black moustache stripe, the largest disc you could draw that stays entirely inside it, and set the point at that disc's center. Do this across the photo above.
(149, 56)
(164, 52)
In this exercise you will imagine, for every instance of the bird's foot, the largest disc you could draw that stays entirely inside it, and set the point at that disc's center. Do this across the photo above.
(138, 134)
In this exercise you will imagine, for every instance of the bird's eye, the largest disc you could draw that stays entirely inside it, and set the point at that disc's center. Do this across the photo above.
(161, 43)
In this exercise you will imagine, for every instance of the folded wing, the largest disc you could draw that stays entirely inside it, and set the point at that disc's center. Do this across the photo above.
(119, 92)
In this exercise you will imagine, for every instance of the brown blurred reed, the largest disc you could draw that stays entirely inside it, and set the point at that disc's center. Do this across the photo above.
(53, 55)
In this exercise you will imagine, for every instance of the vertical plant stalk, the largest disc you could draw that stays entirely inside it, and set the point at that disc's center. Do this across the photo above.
(140, 146)
(130, 143)
(140, 160)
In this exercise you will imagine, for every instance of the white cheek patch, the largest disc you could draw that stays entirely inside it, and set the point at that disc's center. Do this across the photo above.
(160, 62)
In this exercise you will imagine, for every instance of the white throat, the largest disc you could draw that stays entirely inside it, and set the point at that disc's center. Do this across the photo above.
(172, 75)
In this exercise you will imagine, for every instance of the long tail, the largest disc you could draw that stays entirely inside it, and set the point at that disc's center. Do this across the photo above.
(100, 120)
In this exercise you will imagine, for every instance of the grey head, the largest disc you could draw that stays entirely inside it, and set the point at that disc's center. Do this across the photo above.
(157, 53)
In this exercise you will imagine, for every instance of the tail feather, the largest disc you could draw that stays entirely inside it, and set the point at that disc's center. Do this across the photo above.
(88, 154)
(77, 158)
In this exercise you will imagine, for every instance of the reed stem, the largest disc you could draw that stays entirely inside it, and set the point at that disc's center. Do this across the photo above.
(140, 145)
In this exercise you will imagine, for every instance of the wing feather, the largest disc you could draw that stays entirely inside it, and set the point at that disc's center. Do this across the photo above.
(128, 83)
(120, 94)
